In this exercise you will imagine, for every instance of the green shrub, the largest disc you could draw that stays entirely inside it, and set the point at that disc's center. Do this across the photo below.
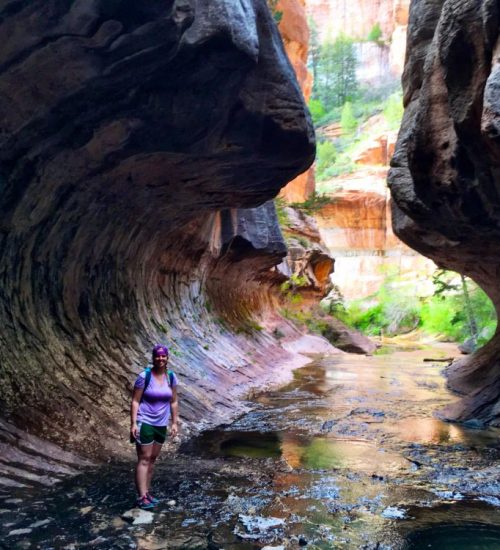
(317, 110)
(325, 157)
(394, 310)
(393, 110)
(447, 315)
(375, 33)
(280, 205)
(316, 201)
(342, 167)
(277, 14)
(348, 121)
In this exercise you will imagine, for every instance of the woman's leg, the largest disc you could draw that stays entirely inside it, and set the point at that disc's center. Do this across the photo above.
(154, 455)
(144, 453)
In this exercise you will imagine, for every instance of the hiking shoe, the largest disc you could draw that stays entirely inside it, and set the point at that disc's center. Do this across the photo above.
(152, 499)
(144, 503)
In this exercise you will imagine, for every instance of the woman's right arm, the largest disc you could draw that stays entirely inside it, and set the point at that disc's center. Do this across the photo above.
(136, 399)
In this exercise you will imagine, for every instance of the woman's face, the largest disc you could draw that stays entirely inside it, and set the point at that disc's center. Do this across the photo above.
(160, 360)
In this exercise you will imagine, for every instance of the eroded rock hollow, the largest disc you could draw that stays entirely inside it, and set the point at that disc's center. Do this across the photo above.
(140, 142)
(445, 175)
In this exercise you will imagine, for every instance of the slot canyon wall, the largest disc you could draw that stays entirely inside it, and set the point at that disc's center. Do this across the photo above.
(141, 144)
(445, 175)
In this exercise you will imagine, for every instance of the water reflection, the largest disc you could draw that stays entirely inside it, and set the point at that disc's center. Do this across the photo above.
(348, 455)
(312, 453)
(249, 445)
(465, 536)
(433, 430)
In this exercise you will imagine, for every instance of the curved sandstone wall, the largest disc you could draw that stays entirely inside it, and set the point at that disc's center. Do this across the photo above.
(138, 141)
(445, 172)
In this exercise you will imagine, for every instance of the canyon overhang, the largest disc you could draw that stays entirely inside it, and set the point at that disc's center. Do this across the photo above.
(139, 144)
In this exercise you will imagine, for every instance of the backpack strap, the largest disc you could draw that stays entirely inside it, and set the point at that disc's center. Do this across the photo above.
(147, 380)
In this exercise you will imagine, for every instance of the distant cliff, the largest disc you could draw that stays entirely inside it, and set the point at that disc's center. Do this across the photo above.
(356, 18)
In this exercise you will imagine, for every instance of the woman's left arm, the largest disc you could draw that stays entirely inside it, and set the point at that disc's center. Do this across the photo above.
(174, 408)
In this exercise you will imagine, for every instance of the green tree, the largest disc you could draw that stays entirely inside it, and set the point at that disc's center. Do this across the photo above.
(393, 110)
(335, 81)
(325, 157)
(316, 109)
(348, 121)
(314, 48)
(278, 15)
(375, 33)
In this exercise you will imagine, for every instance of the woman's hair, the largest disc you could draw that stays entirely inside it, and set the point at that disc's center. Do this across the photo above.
(159, 349)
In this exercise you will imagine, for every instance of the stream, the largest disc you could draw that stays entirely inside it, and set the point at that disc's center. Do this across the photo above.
(350, 454)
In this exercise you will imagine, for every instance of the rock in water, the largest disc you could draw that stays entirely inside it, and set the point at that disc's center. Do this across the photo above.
(136, 516)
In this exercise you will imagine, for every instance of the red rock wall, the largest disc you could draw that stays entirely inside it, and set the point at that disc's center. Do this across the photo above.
(356, 228)
(295, 34)
(357, 17)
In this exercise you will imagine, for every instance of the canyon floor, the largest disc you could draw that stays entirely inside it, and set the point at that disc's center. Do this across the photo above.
(350, 454)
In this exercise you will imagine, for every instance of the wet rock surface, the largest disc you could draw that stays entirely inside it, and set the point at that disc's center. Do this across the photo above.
(348, 455)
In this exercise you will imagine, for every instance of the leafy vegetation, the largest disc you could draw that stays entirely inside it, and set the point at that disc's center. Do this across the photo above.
(280, 206)
(395, 309)
(314, 203)
(348, 121)
(317, 110)
(314, 321)
(326, 154)
(334, 65)
(393, 110)
(277, 14)
(290, 287)
(375, 34)
(334, 156)
(338, 99)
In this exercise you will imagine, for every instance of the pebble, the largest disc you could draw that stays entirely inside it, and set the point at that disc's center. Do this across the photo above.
(171, 503)
(17, 532)
(494, 501)
(40, 523)
(392, 512)
(136, 516)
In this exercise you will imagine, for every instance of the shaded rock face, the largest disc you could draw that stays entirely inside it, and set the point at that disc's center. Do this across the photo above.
(445, 173)
(308, 258)
(138, 141)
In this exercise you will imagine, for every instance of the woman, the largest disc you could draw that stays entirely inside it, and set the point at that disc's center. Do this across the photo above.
(149, 416)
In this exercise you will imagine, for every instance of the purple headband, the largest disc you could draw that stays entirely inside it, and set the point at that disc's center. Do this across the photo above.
(160, 350)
